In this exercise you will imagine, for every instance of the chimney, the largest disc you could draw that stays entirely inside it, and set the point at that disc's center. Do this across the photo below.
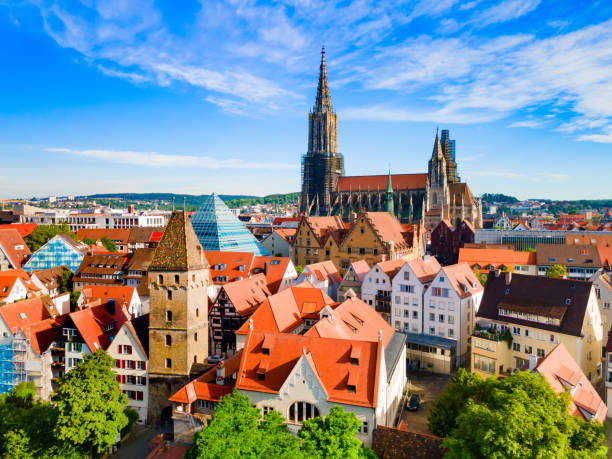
(265, 268)
(380, 335)
(221, 372)
(426, 257)
(508, 276)
(497, 272)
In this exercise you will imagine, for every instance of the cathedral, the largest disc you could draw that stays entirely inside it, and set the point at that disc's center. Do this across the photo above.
(427, 198)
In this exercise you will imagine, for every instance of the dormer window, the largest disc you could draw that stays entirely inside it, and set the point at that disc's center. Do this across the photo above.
(441, 278)
(352, 389)
(570, 260)
(568, 301)
(354, 361)
(507, 291)
(265, 351)
(552, 259)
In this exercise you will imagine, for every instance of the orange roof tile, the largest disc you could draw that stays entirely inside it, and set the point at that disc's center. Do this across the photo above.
(286, 233)
(91, 323)
(495, 257)
(323, 270)
(234, 265)
(379, 182)
(13, 246)
(559, 367)
(22, 228)
(41, 334)
(121, 294)
(388, 228)
(425, 269)
(119, 235)
(463, 279)
(353, 320)
(328, 358)
(247, 294)
(22, 313)
(391, 267)
(274, 269)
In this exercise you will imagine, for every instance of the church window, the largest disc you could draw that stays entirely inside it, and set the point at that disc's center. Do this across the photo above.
(301, 411)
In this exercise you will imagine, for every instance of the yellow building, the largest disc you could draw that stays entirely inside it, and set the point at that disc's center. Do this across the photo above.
(525, 317)
(371, 236)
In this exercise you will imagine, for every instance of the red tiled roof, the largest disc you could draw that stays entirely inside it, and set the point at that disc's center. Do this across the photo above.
(379, 182)
(360, 268)
(274, 269)
(425, 269)
(91, 322)
(232, 261)
(328, 358)
(23, 313)
(388, 228)
(280, 220)
(247, 294)
(12, 244)
(495, 257)
(22, 228)
(286, 233)
(119, 293)
(560, 369)
(463, 279)
(391, 267)
(8, 278)
(119, 235)
(286, 310)
(41, 334)
(352, 320)
(323, 270)
(323, 227)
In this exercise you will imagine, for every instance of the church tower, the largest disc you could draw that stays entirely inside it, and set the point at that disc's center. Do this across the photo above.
(437, 188)
(322, 164)
(178, 325)
(389, 207)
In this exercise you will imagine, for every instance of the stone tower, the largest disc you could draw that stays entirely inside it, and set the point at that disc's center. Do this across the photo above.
(178, 324)
(437, 191)
(389, 207)
(448, 148)
(322, 164)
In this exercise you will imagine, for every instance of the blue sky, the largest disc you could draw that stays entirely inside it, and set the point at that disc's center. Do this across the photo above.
(196, 97)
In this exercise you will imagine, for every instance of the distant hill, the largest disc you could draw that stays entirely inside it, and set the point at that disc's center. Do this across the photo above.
(196, 200)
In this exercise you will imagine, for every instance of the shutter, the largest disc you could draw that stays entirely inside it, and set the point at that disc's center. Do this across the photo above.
(124, 379)
(129, 349)
(139, 395)
(117, 363)
(119, 379)
(144, 365)
(123, 364)
(144, 380)
(120, 349)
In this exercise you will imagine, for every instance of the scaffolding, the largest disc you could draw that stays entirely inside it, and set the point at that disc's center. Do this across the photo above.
(6, 365)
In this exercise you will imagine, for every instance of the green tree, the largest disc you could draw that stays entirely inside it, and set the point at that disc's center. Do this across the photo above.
(42, 233)
(482, 278)
(74, 297)
(236, 430)
(333, 437)
(90, 405)
(65, 281)
(16, 445)
(519, 416)
(556, 271)
(90, 241)
(132, 416)
(299, 269)
(109, 244)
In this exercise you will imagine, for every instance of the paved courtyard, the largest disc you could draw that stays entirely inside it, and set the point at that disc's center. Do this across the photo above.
(429, 386)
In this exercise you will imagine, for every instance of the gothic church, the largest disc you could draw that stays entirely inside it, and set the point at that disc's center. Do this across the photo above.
(429, 198)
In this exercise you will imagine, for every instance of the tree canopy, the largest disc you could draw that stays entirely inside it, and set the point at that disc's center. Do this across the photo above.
(518, 416)
(482, 278)
(333, 436)
(108, 244)
(90, 405)
(556, 271)
(236, 430)
(42, 233)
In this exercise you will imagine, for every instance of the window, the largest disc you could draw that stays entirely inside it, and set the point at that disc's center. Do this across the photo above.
(362, 251)
(528, 350)
(168, 340)
(197, 312)
(516, 347)
(398, 312)
(398, 300)
(266, 409)
(169, 316)
(484, 364)
(606, 306)
(195, 336)
(432, 330)
(300, 411)
(415, 314)
(540, 352)
(168, 363)
(169, 294)
(451, 332)
(160, 279)
(552, 338)
(142, 365)
(527, 332)
(406, 275)
(407, 288)
(364, 427)
(432, 316)
(397, 324)
(516, 330)
(451, 319)
(406, 314)
(125, 349)
(441, 318)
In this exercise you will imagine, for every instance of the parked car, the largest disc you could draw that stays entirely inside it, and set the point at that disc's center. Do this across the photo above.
(214, 358)
(414, 402)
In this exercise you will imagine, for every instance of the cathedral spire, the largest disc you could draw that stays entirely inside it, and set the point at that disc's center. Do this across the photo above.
(323, 103)
(437, 149)
(389, 207)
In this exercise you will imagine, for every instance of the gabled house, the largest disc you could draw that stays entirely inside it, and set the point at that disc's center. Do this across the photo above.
(538, 313)
(582, 261)
(101, 269)
(376, 287)
(144, 237)
(13, 250)
(279, 242)
(227, 267)
(446, 240)
(48, 280)
(136, 275)
(130, 350)
(234, 304)
(294, 310)
(305, 376)
(12, 289)
(119, 236)
(485, 260)
(450, 305)
(280, 272)
(565, 375)
(323, 275)
(59, 250)
(352, 280)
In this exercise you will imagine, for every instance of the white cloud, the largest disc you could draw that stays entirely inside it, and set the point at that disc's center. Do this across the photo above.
(599, 138)
(505, 11)
(527, 123)
(152, 159)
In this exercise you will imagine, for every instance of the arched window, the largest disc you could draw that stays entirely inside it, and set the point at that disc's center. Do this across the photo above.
(434, 198)
(300, 411)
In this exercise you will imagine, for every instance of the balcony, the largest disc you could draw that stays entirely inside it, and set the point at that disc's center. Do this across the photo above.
(384, 298)
(491, 335)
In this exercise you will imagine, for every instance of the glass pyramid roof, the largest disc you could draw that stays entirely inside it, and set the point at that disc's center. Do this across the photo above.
(218, 228)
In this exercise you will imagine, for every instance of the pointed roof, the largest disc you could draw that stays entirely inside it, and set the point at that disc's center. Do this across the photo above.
(389, 184)
(218, 228)
(437, 149)
(179, 248)
(323, 102)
